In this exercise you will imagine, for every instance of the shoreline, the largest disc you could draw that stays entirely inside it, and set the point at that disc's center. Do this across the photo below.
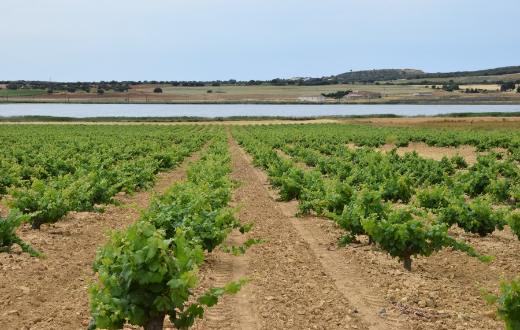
(493, 116)
(388, 102)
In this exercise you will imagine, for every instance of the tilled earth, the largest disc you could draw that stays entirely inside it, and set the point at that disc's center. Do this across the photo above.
(298, 277)
(51, 293)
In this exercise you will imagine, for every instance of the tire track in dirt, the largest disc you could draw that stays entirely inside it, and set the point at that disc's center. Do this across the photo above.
(288, 288)
(421, 299)
(232, 311)
(51, 293)
(219, 268)
(349, 278)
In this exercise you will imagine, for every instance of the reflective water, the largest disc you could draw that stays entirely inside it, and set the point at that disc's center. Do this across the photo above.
(230, 110)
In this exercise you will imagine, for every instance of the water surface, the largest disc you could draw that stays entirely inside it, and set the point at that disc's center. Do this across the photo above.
(245, 110)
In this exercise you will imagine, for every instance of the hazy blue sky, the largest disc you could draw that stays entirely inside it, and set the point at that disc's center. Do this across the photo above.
(250, 39)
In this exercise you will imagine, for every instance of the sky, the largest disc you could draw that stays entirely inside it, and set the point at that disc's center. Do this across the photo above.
(92, 40)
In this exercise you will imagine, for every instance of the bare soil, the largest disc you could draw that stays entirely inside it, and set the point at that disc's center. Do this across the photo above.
(443, 291)
(51, 293)
(300, 165)
(483, 122)
(469, 153)
(289, 288)
(299, 278)
(432, 122)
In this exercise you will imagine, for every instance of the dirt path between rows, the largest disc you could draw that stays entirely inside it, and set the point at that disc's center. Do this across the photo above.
(442, 292)
(51, 293)
(349, 278)
(360, 292)
(289, 288)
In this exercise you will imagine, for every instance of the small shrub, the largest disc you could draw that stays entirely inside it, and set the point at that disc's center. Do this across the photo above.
(459, 162)
(397, 189)
(364, 204)
(514, 223)
(434, 198)
(508, 303)
(476, 217)
(8, 235)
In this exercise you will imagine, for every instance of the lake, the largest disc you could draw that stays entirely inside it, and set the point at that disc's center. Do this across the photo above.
(231, 110)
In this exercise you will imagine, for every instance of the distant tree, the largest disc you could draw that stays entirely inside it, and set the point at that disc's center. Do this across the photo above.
(215, 84)
(50, 91)
(192, 84)
(336, 95)
(450, 86)
(121, 88)
(100, 91)
(12, 86)
(157, 90)
(507, 86)
(278, 82)
(518, 89)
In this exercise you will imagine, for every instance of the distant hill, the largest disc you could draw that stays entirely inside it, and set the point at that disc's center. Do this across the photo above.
(378, 75)
(367, 76)
(487, 72)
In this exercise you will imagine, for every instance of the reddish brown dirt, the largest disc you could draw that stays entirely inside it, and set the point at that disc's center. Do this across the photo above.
(289, 288)
(232, 311)
(300, 165)
(3, 209)
(442, 292)
(443, 122)
(299, 277)
(51, 293)
(469, 153)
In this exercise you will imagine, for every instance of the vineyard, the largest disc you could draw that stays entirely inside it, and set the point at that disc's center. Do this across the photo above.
(324, 226)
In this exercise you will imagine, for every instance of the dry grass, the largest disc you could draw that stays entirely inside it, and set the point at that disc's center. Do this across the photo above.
(491, 87)
(272, 94)
(444, 122)
(487, 123)
(261, 92)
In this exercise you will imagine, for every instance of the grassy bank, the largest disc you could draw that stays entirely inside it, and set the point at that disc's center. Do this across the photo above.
(243, 118)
